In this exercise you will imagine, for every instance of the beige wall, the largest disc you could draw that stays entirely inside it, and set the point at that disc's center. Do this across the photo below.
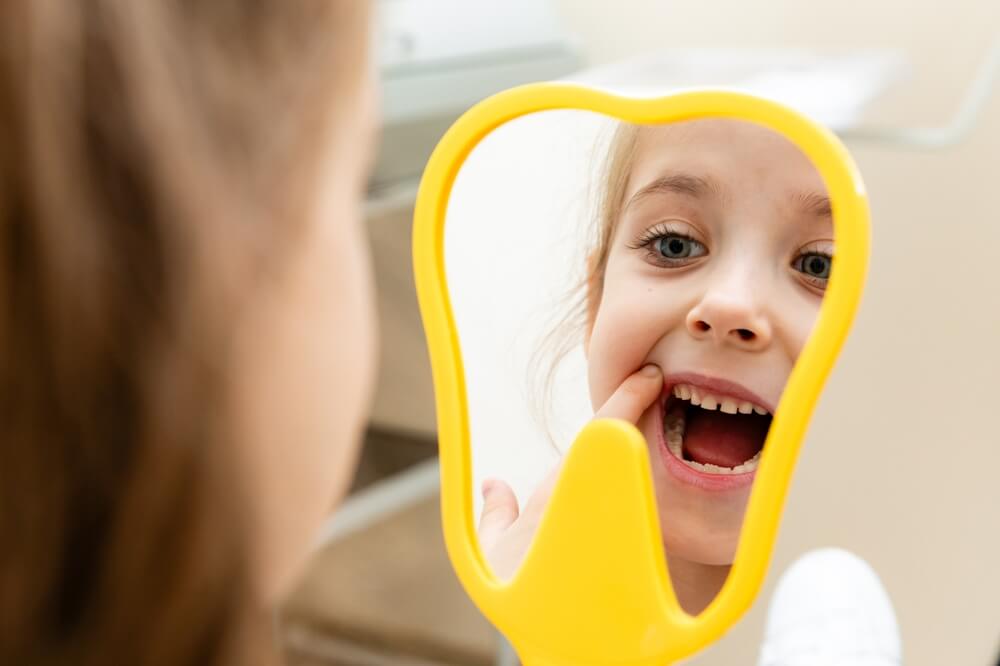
(902, 461)
(943, 38)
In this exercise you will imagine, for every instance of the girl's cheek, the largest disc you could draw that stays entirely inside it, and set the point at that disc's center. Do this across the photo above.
(800, 327)
(623, 336)
(597, 366)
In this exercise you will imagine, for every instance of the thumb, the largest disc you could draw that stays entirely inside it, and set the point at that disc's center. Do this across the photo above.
(499, 512)
(634, 396)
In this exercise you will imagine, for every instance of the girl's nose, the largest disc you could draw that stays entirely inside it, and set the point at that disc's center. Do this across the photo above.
(728, 319)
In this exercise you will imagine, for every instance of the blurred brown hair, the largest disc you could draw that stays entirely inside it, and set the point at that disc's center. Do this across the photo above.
(154, 157)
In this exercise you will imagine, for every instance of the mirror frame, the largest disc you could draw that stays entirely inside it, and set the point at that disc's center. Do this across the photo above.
(595, 590)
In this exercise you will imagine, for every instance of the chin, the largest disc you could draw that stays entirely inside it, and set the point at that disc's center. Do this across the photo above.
(697, 530)
(695, 540)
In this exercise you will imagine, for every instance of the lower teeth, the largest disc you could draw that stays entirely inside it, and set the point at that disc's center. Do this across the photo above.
(673, 431)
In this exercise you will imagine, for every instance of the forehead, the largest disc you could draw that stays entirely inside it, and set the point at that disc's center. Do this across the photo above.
(739, 156)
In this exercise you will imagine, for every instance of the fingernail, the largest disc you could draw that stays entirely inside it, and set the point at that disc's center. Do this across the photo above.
(650, 370)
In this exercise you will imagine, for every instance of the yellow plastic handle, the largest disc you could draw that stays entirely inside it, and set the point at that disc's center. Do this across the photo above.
(594, 589)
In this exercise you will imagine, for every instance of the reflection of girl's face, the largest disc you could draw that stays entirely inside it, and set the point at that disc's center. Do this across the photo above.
(715, 273)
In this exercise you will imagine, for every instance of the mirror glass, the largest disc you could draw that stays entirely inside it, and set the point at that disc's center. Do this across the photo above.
(580, 249)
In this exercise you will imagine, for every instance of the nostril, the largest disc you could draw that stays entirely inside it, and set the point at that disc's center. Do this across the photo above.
(702, 326)
(746, 335)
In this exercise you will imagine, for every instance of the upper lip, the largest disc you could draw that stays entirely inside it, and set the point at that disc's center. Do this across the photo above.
(716, 385)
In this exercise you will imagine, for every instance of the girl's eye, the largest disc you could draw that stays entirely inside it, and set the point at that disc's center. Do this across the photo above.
(814, 266)
(673, 247)
(668, 248)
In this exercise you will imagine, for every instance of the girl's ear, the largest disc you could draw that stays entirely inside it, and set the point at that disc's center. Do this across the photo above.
(594, 287)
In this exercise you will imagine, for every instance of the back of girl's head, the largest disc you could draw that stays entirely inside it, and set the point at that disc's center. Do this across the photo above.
(147, 152)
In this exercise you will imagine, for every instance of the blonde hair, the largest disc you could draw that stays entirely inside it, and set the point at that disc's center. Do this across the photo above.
(584, 297)
(610, 199)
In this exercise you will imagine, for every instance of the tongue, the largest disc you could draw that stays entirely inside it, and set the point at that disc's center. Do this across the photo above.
(726, 440)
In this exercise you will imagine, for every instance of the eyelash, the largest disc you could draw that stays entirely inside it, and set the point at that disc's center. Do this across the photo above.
(663, 230)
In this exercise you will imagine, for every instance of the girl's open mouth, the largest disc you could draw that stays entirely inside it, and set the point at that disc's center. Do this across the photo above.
(715, 431)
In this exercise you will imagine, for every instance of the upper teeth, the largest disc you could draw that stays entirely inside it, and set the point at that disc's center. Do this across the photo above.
(711, 401)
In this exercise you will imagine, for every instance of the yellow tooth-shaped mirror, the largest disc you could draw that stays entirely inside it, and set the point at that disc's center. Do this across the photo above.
(593, 588)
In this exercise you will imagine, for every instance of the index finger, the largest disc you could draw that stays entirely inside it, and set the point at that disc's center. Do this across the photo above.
(634, 396)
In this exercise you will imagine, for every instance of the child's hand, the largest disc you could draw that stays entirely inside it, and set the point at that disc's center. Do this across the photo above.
(504, 531)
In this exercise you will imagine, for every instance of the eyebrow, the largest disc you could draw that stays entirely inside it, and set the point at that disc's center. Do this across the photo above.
(679, 183)
(812, 203)
(817, 205)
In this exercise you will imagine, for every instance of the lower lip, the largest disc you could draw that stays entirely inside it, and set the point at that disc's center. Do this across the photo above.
(691, 476)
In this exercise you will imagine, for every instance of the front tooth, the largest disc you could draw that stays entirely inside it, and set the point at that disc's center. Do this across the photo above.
(728, 406)
(677, 392)
(685, 391)
(760, 410)
(695, 396)
(746, 407)
(709, 402)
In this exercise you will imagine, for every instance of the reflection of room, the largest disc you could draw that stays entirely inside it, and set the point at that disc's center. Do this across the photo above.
(381, 589)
